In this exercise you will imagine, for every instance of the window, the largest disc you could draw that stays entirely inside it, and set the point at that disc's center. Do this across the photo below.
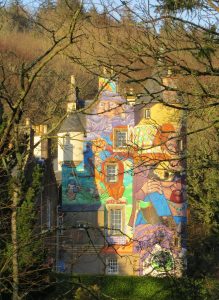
(147, 113)
(111, 172)
(115, 221)
(112, 266)
(116, 216)
(180, 145)
(120, 137)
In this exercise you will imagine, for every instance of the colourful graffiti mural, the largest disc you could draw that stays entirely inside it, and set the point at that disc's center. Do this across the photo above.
(159, 208)
(133, 172)
(107, 85)
(90, 186)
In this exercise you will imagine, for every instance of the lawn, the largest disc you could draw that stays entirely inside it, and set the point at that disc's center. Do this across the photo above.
(66, 287)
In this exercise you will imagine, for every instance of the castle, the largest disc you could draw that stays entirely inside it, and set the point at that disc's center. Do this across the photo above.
(122, 183)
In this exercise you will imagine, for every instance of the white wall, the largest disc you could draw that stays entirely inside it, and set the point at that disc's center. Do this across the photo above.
(70, 148)
(37, 151)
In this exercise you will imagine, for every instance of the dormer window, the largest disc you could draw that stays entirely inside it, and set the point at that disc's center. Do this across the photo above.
(147, 113)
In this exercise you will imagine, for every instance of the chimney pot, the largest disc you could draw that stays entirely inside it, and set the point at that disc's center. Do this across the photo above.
(41, 129)
(73, 80)
(45, 129)
(27, 122)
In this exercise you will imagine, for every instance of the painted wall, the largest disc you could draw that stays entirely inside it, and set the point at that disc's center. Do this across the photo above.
(85, 186)
(158, 215)
(149, 189)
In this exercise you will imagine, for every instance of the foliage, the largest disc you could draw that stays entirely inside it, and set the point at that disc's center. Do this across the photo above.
(92, 292)
(168, 6)
(23, 69)
(31, 252)
(30, 243)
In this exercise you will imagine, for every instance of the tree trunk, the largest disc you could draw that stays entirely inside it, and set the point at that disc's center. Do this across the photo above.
(15, 276)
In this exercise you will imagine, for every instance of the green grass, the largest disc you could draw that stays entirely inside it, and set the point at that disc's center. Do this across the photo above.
(132, 288)
(129, 287)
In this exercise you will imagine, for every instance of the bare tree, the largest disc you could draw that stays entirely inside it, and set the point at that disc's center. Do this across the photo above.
(23, 83)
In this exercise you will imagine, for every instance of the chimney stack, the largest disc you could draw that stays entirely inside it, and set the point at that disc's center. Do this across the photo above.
(71, 103)
(130, 96)
(169, 81)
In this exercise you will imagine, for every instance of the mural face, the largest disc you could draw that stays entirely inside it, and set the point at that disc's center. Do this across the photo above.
(159, 209)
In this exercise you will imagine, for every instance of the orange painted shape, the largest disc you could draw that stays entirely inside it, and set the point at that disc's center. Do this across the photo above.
(118, 249)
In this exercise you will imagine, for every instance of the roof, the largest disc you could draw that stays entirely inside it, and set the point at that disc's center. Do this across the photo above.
(73, 123)
(153, 91)
(111, 96)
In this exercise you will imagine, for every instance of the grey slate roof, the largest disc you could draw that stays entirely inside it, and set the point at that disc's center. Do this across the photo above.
(73, 123)
(153, 91)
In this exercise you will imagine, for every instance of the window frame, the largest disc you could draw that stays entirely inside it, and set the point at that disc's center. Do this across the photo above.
(114, 261)
(121, 142)
(111, 231)
(108, 165)
(180, 143)
(114, 221)
(147, 113)
(124, 145)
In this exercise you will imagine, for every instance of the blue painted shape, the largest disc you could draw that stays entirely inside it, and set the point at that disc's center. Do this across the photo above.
(180, 219)
(160, 204)
(140, 219)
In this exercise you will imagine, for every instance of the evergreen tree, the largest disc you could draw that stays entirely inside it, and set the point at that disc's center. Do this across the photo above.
(18, 18)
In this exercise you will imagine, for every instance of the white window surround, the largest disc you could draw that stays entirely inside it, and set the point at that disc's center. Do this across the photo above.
(116, 219)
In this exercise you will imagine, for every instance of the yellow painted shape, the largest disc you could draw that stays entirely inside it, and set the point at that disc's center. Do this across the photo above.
(100, 218)
(163, 114)
(163, 168)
